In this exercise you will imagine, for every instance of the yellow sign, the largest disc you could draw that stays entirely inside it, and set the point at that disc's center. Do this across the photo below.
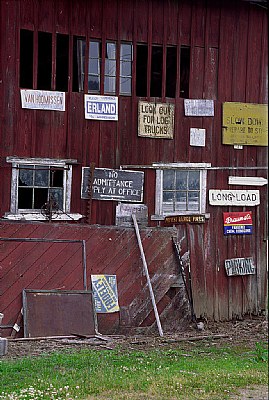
(245, 124)
(182, 219)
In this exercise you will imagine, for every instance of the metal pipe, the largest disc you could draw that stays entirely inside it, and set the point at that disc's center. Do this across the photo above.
(40, 240)
(190, 167)
(84, 264)
(147, 275)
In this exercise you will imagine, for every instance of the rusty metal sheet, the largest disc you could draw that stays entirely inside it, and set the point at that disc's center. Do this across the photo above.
(58, 313)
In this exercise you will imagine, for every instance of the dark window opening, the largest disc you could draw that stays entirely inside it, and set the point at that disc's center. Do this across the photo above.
(141, 70)
(26, 58)
(184, 72)
(156, 71)
(44, 68)
(62, 72)
(171, 72)
(79, 48)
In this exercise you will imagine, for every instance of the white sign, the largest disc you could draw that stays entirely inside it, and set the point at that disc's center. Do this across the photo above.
(124, 214)
(42, 100)
(199, 108)
(197, 137)
(240, 266)
(101, 107)
(247, 180)
(234, 197)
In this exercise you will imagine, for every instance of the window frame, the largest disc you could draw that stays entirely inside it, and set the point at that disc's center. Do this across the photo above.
(123, 62)
(34, 214)
(201, 167)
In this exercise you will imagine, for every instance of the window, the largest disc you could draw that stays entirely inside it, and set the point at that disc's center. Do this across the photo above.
(44, 65)
(26, 58)
(180, 189)
(156, 71)
(110, 68)
(184, 71)
(79, 48)
(47, 64)
(94, 74)
(62, 58)
(171, 71)
(37, 183)
(126, 58)
(141, 70)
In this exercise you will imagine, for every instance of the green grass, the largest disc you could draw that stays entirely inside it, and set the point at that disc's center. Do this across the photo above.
(205, 372)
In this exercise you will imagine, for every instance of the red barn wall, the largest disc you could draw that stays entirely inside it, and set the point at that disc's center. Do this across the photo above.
(228, 63)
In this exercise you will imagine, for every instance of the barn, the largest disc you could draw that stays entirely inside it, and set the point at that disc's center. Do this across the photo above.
(133, 152)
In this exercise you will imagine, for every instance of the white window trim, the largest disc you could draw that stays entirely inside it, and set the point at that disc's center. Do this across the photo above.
(202, 167)
(14, 214)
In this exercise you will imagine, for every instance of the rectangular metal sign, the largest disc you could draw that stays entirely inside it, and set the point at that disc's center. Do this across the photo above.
(199, 108)
(113, 184)
(124, 214)
(237, 223)
(240, 266)
(101, 107)
(156, 120)
(58, 312)
(197, 137)
(43, 100)
(105, 293)
(183, 219)
(234, 197)
(245, 124)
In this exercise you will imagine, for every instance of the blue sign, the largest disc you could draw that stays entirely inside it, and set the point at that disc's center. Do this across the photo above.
(238, 230)
(101, 107)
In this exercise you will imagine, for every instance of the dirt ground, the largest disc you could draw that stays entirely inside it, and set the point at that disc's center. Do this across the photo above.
(234, 333)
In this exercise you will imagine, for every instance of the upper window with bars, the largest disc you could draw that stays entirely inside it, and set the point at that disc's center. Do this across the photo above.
(109, 66)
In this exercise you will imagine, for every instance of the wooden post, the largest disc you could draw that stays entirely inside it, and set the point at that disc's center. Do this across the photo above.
(147, 275)
(90, 182)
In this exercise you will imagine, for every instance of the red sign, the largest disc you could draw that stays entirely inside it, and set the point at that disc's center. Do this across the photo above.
(237, 218)
(238, 223)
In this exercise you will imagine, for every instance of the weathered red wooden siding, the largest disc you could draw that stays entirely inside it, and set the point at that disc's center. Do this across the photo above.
(109, 250)
(229, 63)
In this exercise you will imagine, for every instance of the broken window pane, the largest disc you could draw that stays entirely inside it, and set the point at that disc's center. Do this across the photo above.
(141, 69)
(171, 72)
(62, 61)
(156, 71)
(184, 72)
(44, 68)
(25, 198)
